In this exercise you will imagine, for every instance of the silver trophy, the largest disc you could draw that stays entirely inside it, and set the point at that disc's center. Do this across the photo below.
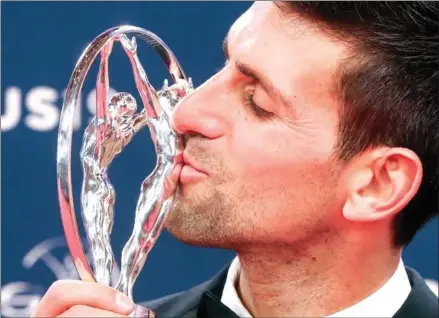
(113, 127)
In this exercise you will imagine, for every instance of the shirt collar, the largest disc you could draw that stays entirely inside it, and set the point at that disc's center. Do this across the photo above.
(384, 302)
(230, 296)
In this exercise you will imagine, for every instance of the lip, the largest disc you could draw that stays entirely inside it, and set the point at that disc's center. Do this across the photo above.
(190, 171)
(190, 162)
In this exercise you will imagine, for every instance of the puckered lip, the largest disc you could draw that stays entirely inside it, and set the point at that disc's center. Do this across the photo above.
(184, 159)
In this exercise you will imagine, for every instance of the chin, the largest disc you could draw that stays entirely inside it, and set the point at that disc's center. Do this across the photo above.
(204, 216)
(192, 227)
(187, 234)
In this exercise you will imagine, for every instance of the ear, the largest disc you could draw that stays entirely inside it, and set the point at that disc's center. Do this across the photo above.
(380, 183)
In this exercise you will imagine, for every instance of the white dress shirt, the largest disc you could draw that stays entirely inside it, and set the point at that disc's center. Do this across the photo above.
(385, 302)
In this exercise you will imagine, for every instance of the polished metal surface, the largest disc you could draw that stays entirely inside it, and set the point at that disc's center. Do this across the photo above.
(114, 126)
(140, 311)
(103, 140)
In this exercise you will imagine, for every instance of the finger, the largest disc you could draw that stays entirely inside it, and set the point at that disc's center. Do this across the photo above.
(85, 311)
(67, 293)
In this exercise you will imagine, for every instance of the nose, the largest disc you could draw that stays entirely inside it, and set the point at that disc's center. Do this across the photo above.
(200, 113)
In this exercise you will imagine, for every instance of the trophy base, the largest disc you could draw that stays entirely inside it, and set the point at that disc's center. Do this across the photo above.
(142, 312)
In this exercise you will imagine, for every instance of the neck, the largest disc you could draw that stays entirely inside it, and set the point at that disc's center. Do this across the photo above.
(314, 281)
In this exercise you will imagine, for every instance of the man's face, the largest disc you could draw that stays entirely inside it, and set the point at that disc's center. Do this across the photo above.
(270, 175)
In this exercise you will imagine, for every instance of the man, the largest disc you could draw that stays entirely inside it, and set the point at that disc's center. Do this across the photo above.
(313, 155)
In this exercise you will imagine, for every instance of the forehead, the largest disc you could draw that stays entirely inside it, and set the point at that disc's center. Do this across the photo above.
(299, 58)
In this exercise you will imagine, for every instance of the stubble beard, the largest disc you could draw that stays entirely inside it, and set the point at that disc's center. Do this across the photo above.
(202, 212)
(201, 219)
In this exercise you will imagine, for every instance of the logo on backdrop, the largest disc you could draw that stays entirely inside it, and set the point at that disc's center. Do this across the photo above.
(43, 108)
(19, 298)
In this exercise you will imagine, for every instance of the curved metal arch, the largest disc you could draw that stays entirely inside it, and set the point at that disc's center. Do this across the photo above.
(65, 132)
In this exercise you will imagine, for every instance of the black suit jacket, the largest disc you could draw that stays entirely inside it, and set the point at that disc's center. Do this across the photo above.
(205, 300)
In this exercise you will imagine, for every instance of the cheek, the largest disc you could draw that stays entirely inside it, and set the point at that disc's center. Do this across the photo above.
(277, 154)
(274, 169)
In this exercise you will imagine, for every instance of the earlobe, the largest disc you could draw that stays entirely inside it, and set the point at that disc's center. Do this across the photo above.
(382, 184)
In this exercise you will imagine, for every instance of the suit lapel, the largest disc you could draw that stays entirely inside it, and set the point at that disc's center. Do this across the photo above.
(205, 300)
(421, 301)
(212, 307)
(186, 304)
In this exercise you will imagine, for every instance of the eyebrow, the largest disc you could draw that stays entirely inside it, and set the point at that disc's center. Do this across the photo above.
(261, 79)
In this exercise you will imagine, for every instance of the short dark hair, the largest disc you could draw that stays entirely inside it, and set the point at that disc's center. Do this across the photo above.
(388, 87)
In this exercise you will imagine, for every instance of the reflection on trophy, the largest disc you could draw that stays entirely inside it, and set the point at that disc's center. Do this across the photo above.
(116, 123)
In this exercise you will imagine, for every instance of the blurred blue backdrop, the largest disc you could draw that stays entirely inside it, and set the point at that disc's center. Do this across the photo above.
(40, 44)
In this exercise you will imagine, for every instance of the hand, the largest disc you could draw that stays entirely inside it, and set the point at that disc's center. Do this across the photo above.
(68, 298)
(130, 46)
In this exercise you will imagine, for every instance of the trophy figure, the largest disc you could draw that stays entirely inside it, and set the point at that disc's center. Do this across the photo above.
(155, 189)
(104, 138)
(113, 128)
